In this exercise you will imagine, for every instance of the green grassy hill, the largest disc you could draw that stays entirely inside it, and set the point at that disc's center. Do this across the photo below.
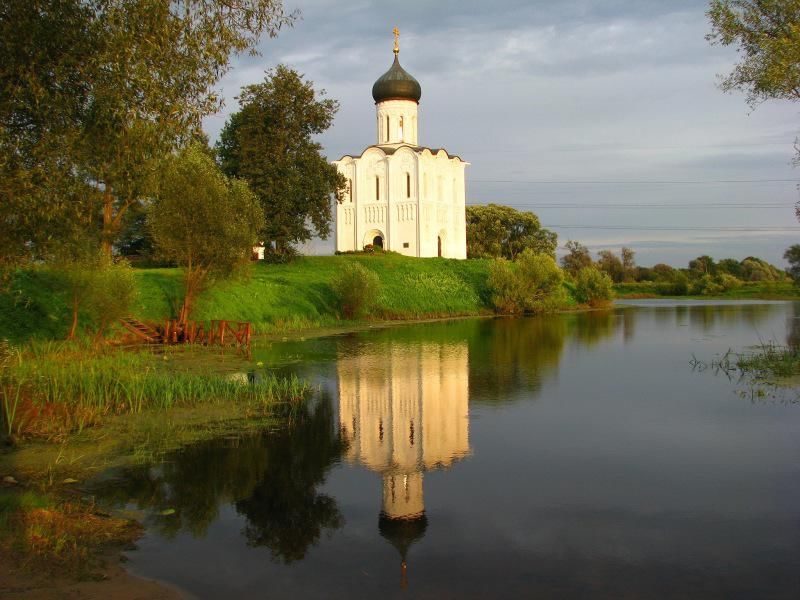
(272, 297)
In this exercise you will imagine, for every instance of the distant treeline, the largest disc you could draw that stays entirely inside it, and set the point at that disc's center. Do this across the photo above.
(702, 276)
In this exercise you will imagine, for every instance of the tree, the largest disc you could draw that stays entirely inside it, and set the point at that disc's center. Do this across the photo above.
(703, 265)
(577, 257)
(628, 264)
(97, 91)
(104, 288)
(731, 266)
(269, 144)
(495, 231)
(792, 256)
(203, 221)
(593, 287)
(767, 36)
(530, 284)
(611, 265)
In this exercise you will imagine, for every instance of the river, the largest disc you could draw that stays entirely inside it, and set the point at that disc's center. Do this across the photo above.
(567, 456)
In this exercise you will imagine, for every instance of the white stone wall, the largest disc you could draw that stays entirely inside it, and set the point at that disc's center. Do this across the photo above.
(397, 122)
(411, 198)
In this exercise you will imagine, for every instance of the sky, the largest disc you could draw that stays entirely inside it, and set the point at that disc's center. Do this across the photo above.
(604, 117)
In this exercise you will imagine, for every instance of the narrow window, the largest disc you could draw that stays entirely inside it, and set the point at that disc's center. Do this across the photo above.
(401, 129)
(377, 188)
(387, 128)
(350, 189)
(408, 185)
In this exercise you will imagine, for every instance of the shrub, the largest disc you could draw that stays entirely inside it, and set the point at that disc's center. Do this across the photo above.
(356, 289)
(729, 282)
(678, 285)
(531, 284)
(593, 287)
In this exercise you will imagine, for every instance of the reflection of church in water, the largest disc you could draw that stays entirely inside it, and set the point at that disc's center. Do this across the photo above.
(404, 410)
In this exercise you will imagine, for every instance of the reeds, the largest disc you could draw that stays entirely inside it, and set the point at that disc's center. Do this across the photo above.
(58, 389)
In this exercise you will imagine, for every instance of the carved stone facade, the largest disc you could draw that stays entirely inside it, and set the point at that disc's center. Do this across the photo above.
(404, 197)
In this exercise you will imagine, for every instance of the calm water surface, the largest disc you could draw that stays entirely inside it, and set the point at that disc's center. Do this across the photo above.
(561, 457)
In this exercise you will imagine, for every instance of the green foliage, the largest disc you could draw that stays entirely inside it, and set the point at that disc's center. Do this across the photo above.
(81, 387)
(93, 94)
(611, 265)
(766, 34)
(113, 292)
(577, 257)
(272, 297)
(628, 264)
(593, 287)
(495, 231)
(676, 285)
(531, 284)
(792, 256)
(756, 269)
(100, 288)
(703, 265)
(269, 143)
(356, 289)
(202, 221)
(769, 361)
(731, 266)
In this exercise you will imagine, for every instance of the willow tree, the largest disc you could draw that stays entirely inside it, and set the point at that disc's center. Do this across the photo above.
(100, 90)
(203, 221)
(269, 144)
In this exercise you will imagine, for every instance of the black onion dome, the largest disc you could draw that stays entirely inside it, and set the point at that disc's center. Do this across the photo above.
(401, 533)
(396, 84)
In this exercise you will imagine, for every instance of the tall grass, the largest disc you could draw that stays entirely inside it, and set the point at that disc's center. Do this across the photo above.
(771, 360)
(55, 389)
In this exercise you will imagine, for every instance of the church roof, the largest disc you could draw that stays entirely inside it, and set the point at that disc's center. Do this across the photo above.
(396, 84)
(390, 149)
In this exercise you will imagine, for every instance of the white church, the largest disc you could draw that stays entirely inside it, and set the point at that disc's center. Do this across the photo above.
(401, 196)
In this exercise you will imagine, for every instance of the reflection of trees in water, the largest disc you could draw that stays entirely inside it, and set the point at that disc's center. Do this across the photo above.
(708, 316)
(285, 512)
(271, 478)
(508, 354)
(593, 327)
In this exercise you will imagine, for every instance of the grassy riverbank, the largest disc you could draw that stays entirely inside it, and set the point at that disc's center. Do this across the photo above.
(299, 296)
(273, 297)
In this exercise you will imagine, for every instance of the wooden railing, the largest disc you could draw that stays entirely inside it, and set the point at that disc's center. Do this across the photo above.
(217, 333)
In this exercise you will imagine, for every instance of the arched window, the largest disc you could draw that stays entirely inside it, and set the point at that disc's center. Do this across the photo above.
(408, 185)
(387, 128)
(350, 189)
(377, 188)
(400, 131)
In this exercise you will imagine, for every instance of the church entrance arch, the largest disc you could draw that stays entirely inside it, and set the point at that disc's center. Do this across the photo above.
(441, 244)
(375, 237)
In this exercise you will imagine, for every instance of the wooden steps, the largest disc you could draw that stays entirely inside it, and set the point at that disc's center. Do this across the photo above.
(142, 330)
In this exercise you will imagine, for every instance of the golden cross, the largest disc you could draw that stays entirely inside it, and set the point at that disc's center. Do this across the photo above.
(396, 33)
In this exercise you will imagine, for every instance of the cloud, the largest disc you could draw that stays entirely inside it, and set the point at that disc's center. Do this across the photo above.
(579, 90)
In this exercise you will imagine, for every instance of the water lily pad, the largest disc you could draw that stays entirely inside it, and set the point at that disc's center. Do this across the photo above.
(167, 511)
(70, 480)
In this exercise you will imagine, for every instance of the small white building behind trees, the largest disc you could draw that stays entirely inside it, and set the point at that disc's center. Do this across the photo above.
(402, 196)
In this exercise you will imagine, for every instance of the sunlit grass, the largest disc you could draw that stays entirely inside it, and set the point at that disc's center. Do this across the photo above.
(50, 390)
